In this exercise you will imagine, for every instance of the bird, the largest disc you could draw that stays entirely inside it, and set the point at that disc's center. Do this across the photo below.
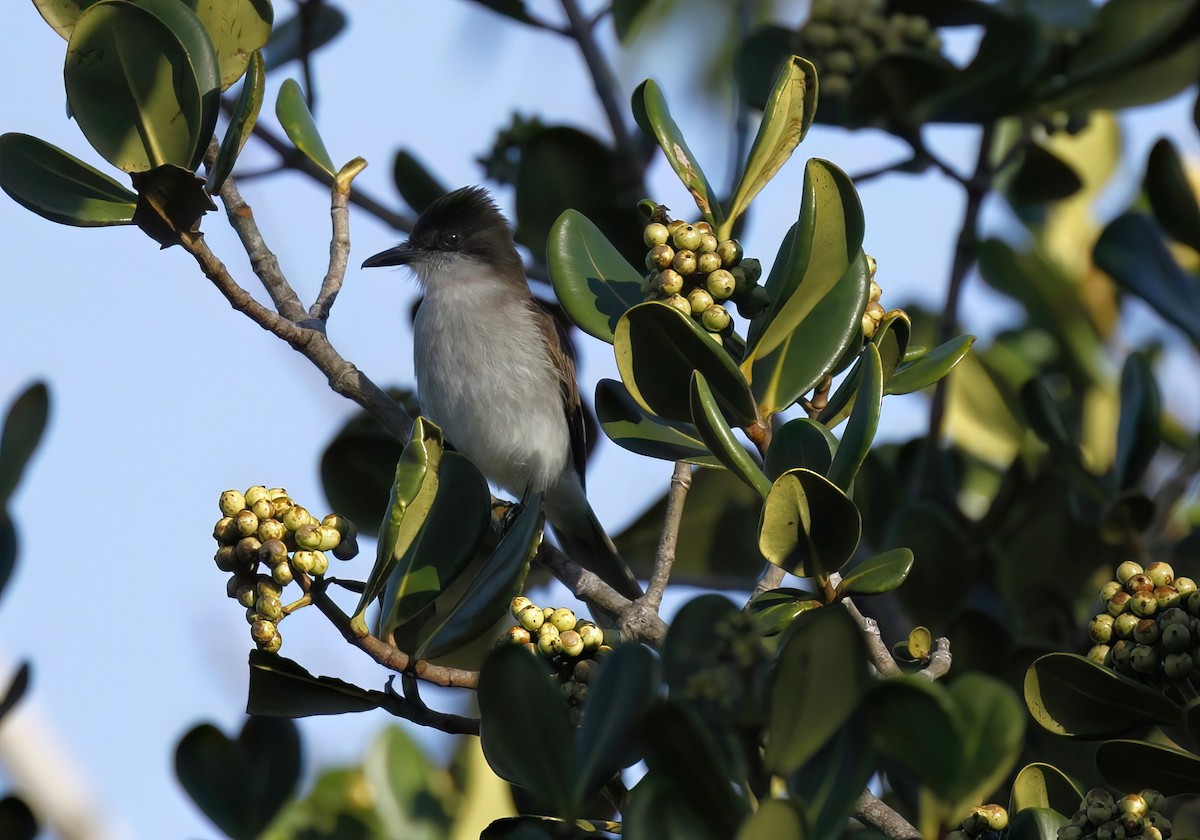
(494, 371)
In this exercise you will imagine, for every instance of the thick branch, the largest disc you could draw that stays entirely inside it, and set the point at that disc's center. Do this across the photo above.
(422, 715)
(771, 578)
(664, 559)
(586, 586)
(870, 810)
(881, 657)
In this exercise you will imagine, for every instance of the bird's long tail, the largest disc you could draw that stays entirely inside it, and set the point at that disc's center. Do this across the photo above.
(583, 538)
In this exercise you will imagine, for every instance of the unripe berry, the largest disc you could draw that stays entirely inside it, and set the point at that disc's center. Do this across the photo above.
(1118, 603)
(308, 536)
(583, 671)
(270, 529)
(519, 603)
(1127, 570)
(669, 282)
(1132, 803)
(1178, 665)
(246, 549)
(1070, 832)
(730, 252)
(235, 583)
(1176, 638)
(660, 257)
(571, 643)
(716, 318)
(1151, 832)
(997, 817)
(1185, 586)
(246, 523)
(686, 237)
(876, 292)
(225, 531)
(547, 645)
(329, 538)
(1100, 629)
(681, 303)
(1122, 652)
(1173, 615)
(708, 263)
(563, 619)
(262, 509)
(518, 635)
(232, 503)
(699, 300)
(225, 559)
(1161, 573)
(720, 284)
(655, 234)
(1099, 795)
(1137, 583)
(1193, 604)
(1110, 830)
(549, 612)
(262, 631)
(1166, 597)
(280, 506)
(296, 517)
(1099, 654)
(592, 635)
(1144, 659)
(247, 594)
(272, 553)
(1108, 590)
(1100, 813)
(703, 227)
(1143, 603)
(320, 563)
(282, 574)
(1125, 624)
(253, 494)
(269, 607)
(708, 244)
(684, 262)
(1146, 632)
(531, 618)
(304, 561)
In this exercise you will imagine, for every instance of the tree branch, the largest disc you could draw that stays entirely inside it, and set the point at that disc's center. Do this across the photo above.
(420, 714)
(339, 241)
(664, 559)
(876, 814)
(881, 656)
(771, 578)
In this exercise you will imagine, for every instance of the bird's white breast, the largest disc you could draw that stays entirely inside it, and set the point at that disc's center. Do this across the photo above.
(483, 375)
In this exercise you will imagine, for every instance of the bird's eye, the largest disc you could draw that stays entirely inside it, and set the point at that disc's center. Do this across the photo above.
(450, 240)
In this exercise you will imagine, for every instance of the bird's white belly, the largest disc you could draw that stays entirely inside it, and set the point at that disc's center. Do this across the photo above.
(476, 380)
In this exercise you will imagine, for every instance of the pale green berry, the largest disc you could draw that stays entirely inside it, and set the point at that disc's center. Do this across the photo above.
(296, 517)
(655, 234)
(730, 252)
(247, 548)
(708, 243)
(232, 503)
(563, 619)
(1193, 603)
(716, 318)
(225, 559)
(1110, 830)
(1132, 803)
(304, 561)
(669, 282)
(531, 618)
(699, 300)
(547, 645)
(592, 635)
(997, 817)
(262, 509)
(1185, 586)
(703, 226)
(269, 607)
(680, 303)
(308, 536)
(329, 538)
(253, 494)
(1099, 813)
(282, 574)
(247, 594)
(519, 603)
(1100, 629)
(1070, 832)
(571, 644)
(272, 553)
(226, 531)
(1143, 603)
(1108, 590)
(280, 506)
(684, 262)
(660, 257)
(1127, 570)
(320, 563)
(1161, 573)
(1125, 624)
(1137, 583)
(686, 237)
(549, 611)
(518, 635)
(1167, 597)
(246, 523)
(1178, 665)
(708, 263)
(1118, 603)
(876, 292)
(263, 631)
(1098, 654)
(721, 284)
(1151, 832)
(1099, 795)
(270, 529)
(1122, 652)
(1155, 801)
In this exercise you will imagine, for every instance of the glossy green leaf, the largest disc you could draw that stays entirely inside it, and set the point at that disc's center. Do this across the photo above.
(1134, 765)
(415, 183)
(1041, 177)
(829, 784)
(680, 749)
(304, 32)
(812, 349)
(297, 121)
(902, 712)
(788, 114)
(881, 573)
(626, 14)
(240, 784)
(719, 438)
(809, 527)
(776, 819)
(522, 713)
(993, 730)
(1132, 250)
(16, 690)
(62, 14)
(592, 281)
(1041, 785)
(1036, 824)
(819, 678)
(929, 368)
(631, 427)
(653, 117)
(624, 686)
(142, 82)
(281, 688)
(658, 348)
(24, 424)
(800, 443)
(776, 609)
(1171, 195)
(494, 587)
(17, 821)
(691, 637)
(45, 179)
(1070, 695)
(239, 29)
(241, 122)
(1139, 431)
(864, 420)
(453, 531)
(891, 340)
(414, 488)
(660, 809)
(827, 239)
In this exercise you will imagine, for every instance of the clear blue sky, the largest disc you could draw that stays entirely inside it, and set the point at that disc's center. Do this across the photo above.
(163, 396)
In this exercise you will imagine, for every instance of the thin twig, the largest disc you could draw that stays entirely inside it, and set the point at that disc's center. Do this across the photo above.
(771, 578)
(424, 716)
(871, 174)
(339, 241)
(664, 559)
(939, 661)
(881, 657)
(873, 812)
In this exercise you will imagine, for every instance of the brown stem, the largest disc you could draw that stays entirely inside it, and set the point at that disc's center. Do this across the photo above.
(664, 559)
(873, 812)
(881, 657)
(339, 241)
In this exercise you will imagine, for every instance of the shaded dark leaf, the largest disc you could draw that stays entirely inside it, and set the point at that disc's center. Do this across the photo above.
(59, 187)
(626, 14)
(311, 28)
(631, 427)
(415, 183)
(241, 122)
(1170, 193)
(828, 784)
(17, 821)
(1133, 765)
(1042, 176)
(24, 425)
(171, 201)
(280, 687)
(16, 690)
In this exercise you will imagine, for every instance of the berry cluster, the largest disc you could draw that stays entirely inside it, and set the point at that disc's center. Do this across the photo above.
(1150, 627)
(266, 527)
(843, 37)
(984, 822)
(573, 647)
(1104, 817)
(692, 270)
(874, 313)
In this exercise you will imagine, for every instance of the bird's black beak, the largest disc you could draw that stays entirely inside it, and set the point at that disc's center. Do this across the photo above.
(402, 254)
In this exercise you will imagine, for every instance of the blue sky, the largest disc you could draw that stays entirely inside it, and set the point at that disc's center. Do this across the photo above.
(163, 396)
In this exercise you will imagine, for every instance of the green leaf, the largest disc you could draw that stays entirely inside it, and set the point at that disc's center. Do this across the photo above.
(878, 574)
(413, 491)
(993, 729)
(626, 14)
(592, 281)
(24, 425)
(788, 114)
(719, 437)
(1132, 251)
(143, 83)
(776, 609)
(241, 122)
(1171, 195)
(864, 420)
(624, 686)
(8, 548)
(281, 688)
(238, 29)
(530, 827)
(819, 678)
(692, 637)
(1133, 765)
(893, 92)
(776, 819)
(829, 784)
(1036, 824)
(1071, 695)
(62, 14)
(809, 527)
(415, 183)
(1044, 786)
(45, 179)
(660, 809)
(449, 538)
(902, 712)
(813, 348)
(827, 239)
(1139, 431)
(927, 369)
(240, 784)
(658, 348)
(297, 121)
(493, 588)
(16, 690)
(800, 443)
(1043, 177)
(304, 32)
(401, 777)
(653, 117)
(522, 714)
(631, 427)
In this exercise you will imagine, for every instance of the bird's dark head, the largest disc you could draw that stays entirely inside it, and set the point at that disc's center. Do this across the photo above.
(464, 224)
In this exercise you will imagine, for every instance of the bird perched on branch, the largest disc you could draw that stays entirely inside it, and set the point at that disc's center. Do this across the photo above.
(493, 370)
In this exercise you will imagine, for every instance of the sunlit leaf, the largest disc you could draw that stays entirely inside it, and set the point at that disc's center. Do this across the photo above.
(719, 437)
(297, 121)
(241, 122)
(592, 281)
(59, 187)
